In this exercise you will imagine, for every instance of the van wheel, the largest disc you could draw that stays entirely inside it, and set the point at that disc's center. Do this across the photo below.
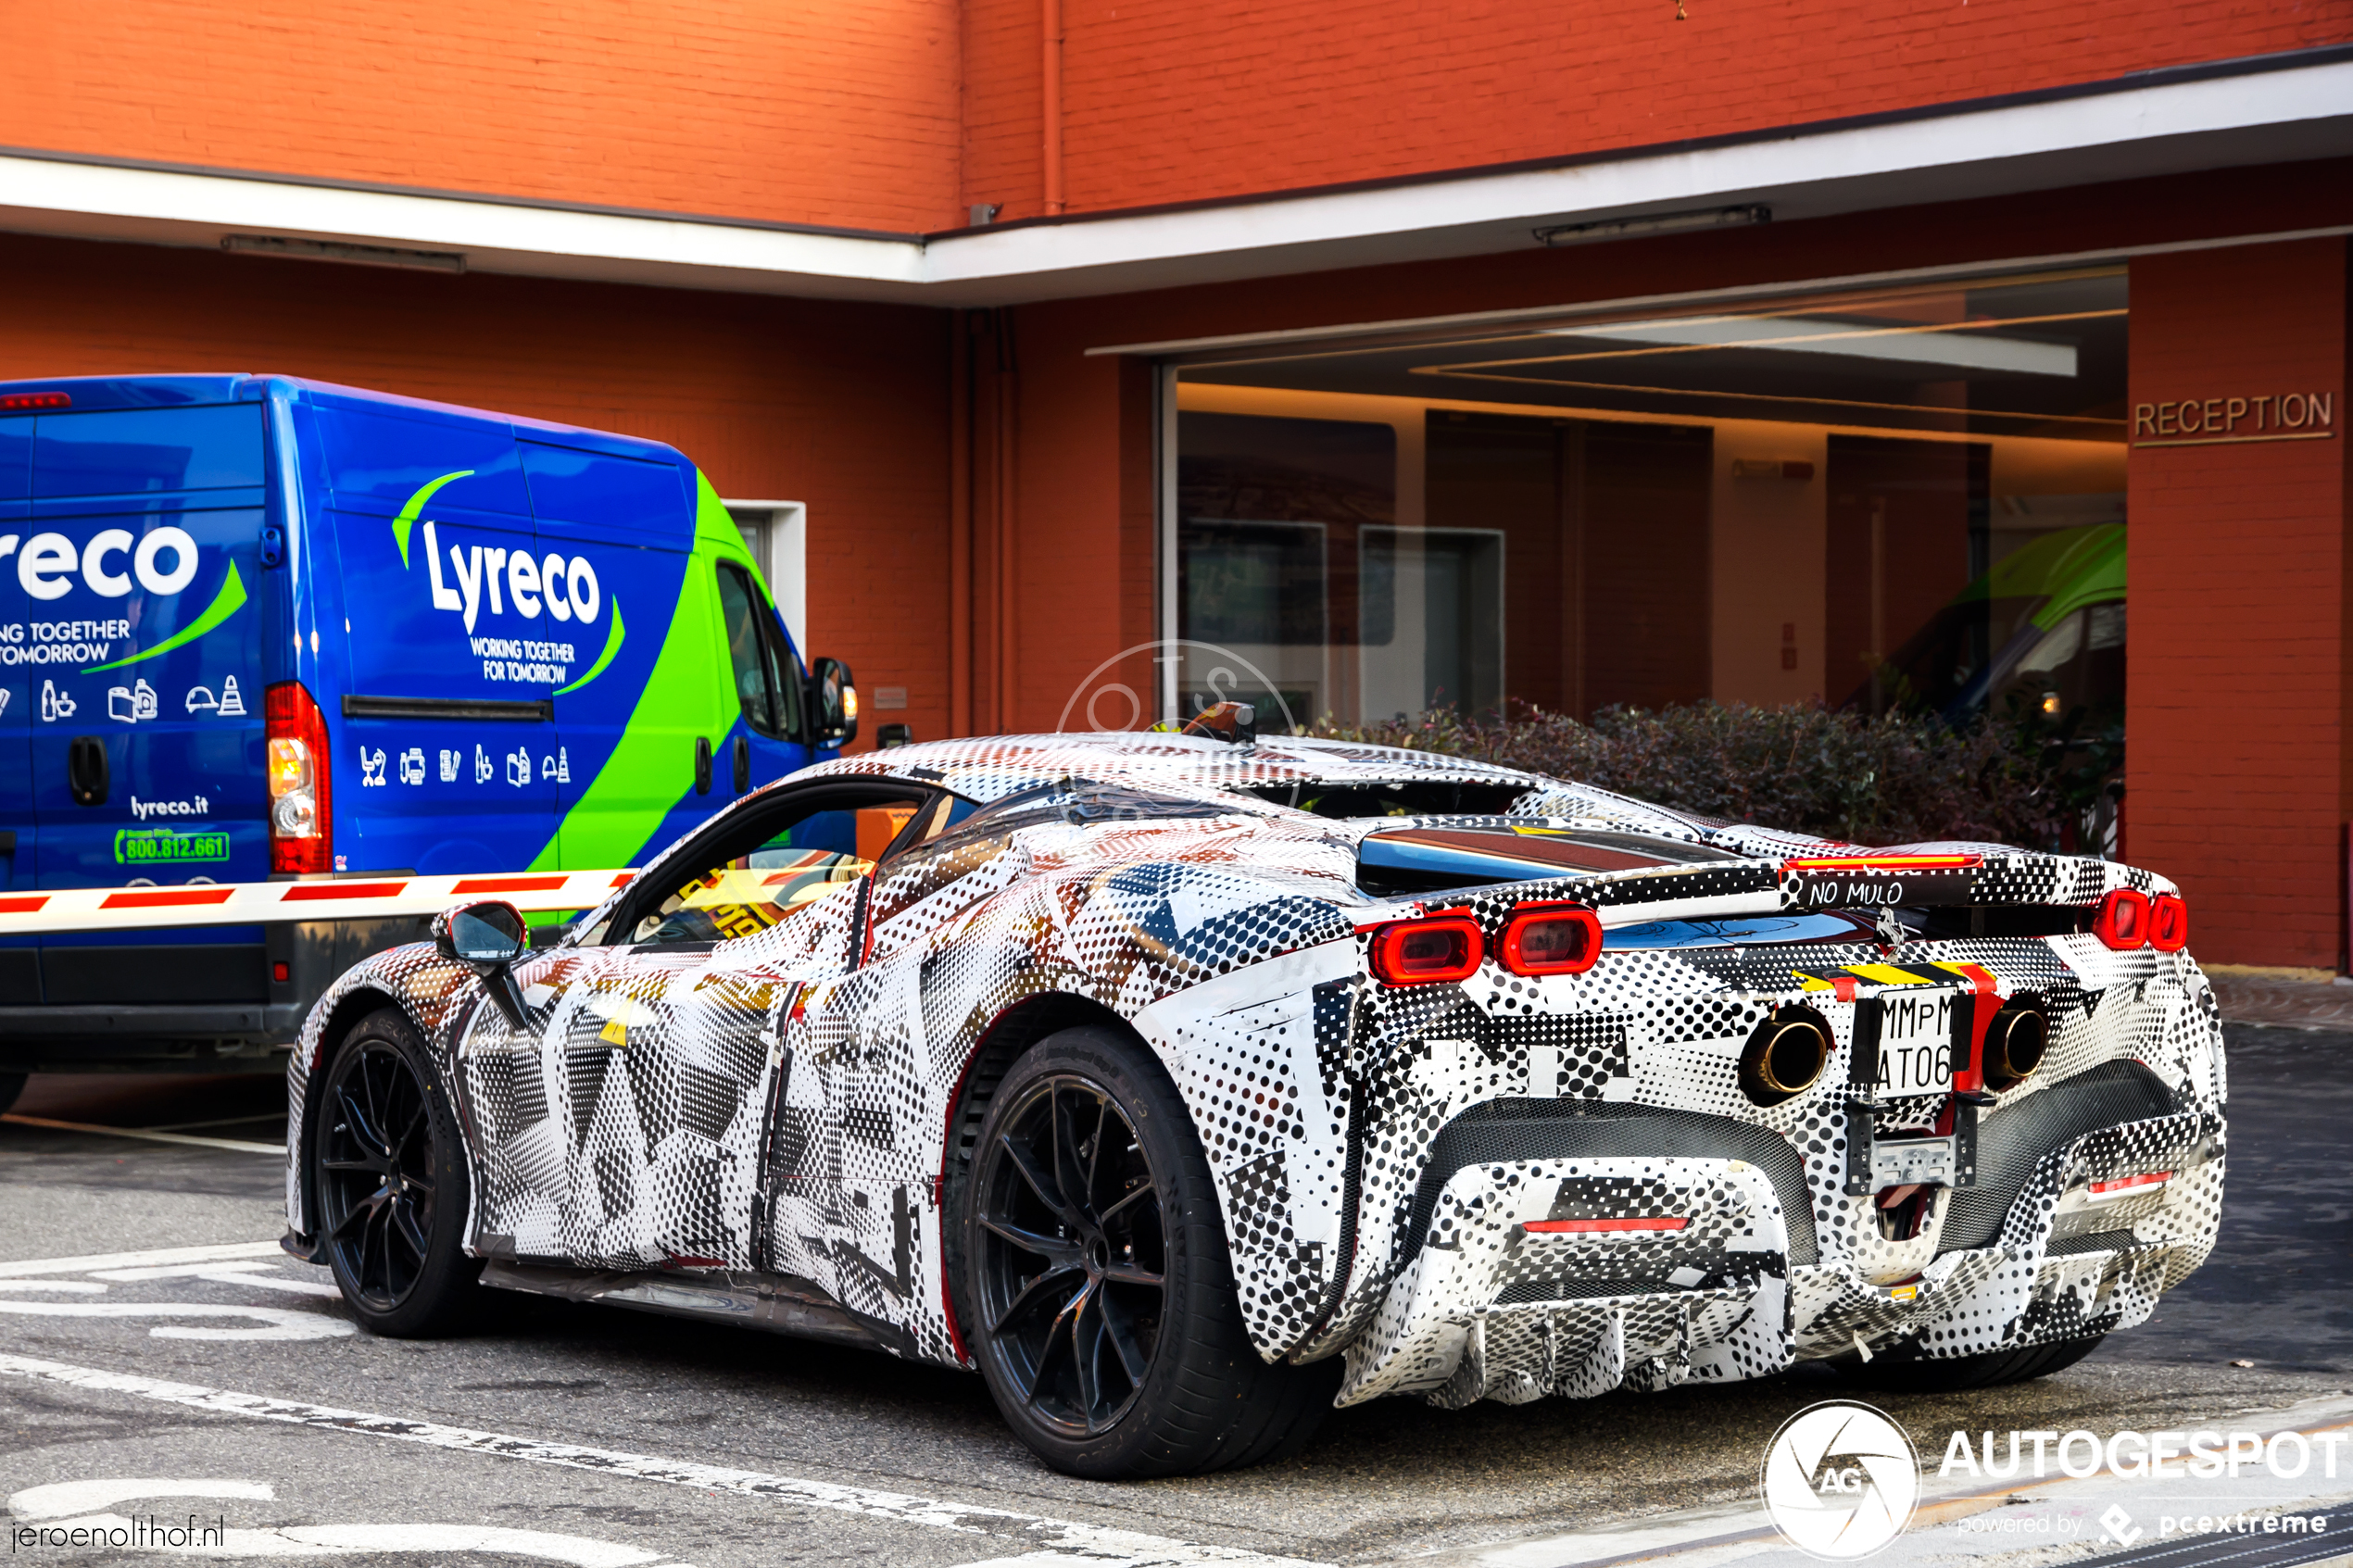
(11, 1085)
(1951, 1375)
(390, 1172)
(1097, 1291)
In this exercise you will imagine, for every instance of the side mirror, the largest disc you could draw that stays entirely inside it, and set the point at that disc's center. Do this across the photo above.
(488, 936)
(833, 703)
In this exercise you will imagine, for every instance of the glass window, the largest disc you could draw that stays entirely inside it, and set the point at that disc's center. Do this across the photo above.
(750, 655)
(776, 872)
(1882, 498)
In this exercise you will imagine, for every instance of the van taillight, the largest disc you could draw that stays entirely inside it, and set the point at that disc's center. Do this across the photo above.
(301, 796)
(2168, 922)
(1553, 941)
(2123, 921)
(1423, 952)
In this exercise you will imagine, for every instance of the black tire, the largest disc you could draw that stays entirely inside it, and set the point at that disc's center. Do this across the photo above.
(390, 1173)
(1952, 1374)
(11, 1085)
(1094, 1286)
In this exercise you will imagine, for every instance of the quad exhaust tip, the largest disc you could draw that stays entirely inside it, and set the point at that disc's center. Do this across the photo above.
(2014, 1044)
(1785, 1056)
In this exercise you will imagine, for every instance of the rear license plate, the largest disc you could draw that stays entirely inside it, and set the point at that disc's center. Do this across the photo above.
(1915, 1042)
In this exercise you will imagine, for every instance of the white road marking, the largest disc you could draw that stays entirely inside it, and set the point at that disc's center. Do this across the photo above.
(218, 1252)
(239, 1145)
(1097, 1545)
(228, 1274)
(83, 1285)
(61, 1499)
(285, 1322)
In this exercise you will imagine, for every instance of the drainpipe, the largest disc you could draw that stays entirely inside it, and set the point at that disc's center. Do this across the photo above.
(1052, 112)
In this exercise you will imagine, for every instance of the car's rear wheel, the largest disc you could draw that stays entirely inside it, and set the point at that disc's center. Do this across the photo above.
(1096, 1289)
(1949, 1374)
(390, 1174)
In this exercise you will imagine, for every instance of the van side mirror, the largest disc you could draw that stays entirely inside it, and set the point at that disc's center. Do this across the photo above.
(833, 703)
(488, 937)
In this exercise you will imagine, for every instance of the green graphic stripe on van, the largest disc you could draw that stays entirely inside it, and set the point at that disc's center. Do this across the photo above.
(612, 820)
(226, 602)
(414, 505)
(612, 646)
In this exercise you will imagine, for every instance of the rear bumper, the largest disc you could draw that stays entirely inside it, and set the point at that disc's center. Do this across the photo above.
(295, 966)
(1576, 1276)
(194, 1037)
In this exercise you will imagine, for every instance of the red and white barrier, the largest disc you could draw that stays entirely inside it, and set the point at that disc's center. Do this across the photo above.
(248, 903)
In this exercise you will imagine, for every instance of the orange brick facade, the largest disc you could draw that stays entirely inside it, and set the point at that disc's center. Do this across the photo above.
(896, 114)
(840, 406)
(984, 491)
(2239, 783)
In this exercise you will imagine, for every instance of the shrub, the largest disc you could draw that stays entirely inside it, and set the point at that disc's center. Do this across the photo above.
(1894, 779)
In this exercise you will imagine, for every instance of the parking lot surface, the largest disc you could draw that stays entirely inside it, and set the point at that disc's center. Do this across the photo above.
(158, 1359)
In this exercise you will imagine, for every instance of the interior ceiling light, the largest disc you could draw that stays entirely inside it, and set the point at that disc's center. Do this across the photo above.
(1952, 345)
(1660, 224)
(351, 255)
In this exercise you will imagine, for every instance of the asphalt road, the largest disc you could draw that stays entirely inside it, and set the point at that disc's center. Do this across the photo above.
(556, 1433)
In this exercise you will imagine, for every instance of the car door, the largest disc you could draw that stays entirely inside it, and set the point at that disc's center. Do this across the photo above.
(630, 1132)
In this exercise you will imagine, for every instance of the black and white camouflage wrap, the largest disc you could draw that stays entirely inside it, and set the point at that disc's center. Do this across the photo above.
(779, 1106)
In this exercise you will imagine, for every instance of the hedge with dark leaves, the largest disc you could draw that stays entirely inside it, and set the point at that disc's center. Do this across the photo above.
(1894, 780)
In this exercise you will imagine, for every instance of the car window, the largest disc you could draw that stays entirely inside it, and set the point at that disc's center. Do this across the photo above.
(759, 685)
(744, 889)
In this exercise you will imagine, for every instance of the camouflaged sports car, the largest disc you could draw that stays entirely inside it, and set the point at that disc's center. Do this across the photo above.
(1186, 1086)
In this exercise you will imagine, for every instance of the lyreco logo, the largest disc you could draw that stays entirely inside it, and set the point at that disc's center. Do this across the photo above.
(1840, 1481)
(565, 586)
(47, 563)
(160, 563)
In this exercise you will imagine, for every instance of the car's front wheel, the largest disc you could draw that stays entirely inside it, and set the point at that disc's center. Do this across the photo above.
(390, 1177)
(1096, 1290)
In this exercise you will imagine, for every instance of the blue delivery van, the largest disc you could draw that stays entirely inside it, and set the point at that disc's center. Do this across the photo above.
(255, 626)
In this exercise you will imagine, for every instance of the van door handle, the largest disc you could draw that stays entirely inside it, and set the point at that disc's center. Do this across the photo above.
(702, 764)
(743, 764)
(86, 772)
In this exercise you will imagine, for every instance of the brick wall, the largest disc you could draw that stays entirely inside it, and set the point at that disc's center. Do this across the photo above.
(896, 114)
(843, 407)
(835, 113)
(1181, 100)
(2237, 657)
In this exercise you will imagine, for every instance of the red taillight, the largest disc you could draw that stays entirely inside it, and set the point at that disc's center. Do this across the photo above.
(1553, 941)
(2168, 922)
(12, 401)
(1424, 952)
(2123, 921)
(302, 835)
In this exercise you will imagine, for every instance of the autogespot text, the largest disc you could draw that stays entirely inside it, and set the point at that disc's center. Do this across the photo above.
(2202, 1455)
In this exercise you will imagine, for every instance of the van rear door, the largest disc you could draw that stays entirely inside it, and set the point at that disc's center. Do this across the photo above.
(448, 759)
(20, 959)
(137, 570)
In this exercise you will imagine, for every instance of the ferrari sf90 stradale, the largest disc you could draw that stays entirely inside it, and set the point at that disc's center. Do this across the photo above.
(1185, 1086)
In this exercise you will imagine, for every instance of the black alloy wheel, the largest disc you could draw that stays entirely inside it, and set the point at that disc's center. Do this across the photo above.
(1091, 1277)
(1073, 1259)
(391, 1183)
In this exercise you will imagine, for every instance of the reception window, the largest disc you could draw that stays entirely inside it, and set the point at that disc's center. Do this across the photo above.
(1897, 498)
